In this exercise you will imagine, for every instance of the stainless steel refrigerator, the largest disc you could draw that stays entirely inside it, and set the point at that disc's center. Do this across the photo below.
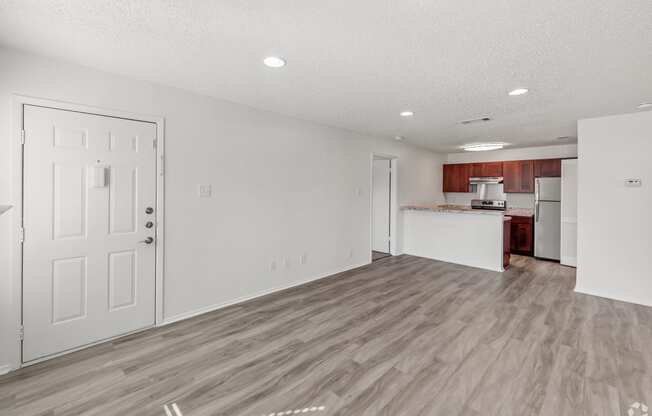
(547, 218)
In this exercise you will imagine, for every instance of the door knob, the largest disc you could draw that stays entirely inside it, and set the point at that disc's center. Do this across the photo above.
(148, 240)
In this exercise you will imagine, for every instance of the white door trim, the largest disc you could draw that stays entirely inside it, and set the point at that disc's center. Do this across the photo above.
(19, 101)
(393, 188)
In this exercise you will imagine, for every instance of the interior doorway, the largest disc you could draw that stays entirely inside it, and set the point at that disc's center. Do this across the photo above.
(381, 211)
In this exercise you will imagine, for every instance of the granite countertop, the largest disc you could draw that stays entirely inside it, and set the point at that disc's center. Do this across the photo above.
(457, 209)
(466, 209)
(519, 212)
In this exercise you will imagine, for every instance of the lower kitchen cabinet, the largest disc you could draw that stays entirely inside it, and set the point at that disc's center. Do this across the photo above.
(522, 236)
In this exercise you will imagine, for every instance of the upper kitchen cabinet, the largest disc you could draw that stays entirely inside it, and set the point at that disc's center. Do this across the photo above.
(456, 177)
(487, 169)
(518, 176)
(547, 168)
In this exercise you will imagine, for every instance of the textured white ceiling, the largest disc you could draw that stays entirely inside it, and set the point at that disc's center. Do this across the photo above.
(357, 63)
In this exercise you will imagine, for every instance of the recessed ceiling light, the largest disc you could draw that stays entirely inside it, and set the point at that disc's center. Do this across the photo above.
(483, 147)
(407, 113)
(644, 105)
(518, 91)
(399, 138)
(274, 62)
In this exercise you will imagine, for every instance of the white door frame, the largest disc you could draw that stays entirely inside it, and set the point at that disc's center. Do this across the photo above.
(17, 264)
(393, 205)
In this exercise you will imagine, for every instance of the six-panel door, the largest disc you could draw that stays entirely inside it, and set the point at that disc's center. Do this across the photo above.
(87, 275)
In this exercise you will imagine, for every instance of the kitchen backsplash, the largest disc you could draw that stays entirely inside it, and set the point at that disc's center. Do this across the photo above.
(520, 201)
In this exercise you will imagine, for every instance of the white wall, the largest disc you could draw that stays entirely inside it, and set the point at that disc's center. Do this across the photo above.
(453, 237)
(513, 200)
(614, 222)
(281, 187)
(568, 249)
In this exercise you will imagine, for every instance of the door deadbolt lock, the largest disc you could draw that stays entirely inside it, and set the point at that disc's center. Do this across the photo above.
(148, 240)
(149, 210)
(149, 224)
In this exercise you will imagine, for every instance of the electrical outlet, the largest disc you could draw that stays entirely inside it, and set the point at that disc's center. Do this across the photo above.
(205, 191)
(272, 266)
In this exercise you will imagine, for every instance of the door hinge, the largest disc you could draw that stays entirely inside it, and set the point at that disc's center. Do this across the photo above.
(22, 137)
(21, 333)
(21, 234)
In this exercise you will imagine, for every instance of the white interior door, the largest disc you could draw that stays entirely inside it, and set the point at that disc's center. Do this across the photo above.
(381, 205)
(88, 273)
(569, 212)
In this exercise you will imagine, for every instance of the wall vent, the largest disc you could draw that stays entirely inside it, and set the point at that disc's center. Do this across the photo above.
(476, 120)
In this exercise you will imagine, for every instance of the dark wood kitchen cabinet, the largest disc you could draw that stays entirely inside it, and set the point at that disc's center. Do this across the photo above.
(522, 235)
(547, 168)
(518, 176)
(456, 177)
(487, 169)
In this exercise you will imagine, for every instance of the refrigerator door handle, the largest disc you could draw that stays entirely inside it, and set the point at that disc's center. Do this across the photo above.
(537, 189)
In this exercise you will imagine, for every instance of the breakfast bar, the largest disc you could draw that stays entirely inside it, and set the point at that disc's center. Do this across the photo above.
(455, 234)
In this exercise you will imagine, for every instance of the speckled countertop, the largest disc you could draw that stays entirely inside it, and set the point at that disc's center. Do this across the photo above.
(519, 212)
(465, 209)
(459, 209)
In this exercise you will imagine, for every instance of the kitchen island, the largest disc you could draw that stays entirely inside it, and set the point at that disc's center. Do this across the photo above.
(455, 234)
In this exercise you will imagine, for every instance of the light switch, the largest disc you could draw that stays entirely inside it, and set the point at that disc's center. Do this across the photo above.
(205, 191)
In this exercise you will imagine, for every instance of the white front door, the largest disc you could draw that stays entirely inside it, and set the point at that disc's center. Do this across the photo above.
(89, 193)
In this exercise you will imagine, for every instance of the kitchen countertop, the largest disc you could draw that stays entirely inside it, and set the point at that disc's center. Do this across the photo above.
(455, 209)
(519, 212)
(466, 209)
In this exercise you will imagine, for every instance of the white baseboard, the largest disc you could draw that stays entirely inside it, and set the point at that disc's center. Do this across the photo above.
(568, 261)
(646, 302)
(211, 308)
(4, 369)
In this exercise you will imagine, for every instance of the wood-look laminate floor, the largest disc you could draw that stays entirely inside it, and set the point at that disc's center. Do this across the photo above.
(377, 255)
(402, 336)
